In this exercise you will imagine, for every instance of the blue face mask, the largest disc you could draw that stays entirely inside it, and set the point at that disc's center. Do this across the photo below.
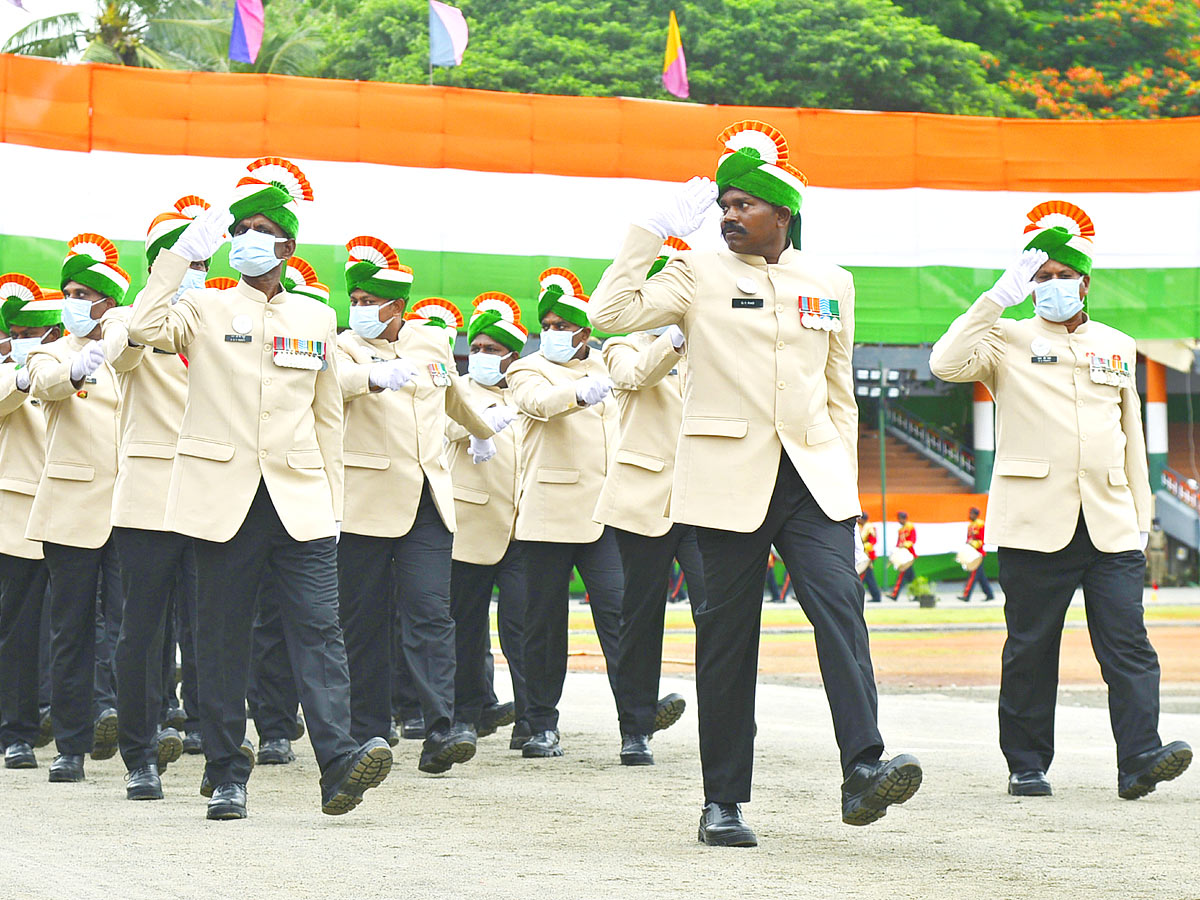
(484, 368)
(1057, 300)
(365, 321)
(192, 280)
(558, 346)
(77, 316)
(253, 252)
(21, 348)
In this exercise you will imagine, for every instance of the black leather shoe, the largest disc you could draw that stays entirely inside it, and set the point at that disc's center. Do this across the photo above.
(722, 825)
(297, 728)
(67, 767)
(193, 743)
(170, 747)
(247, 750)
(496, 715)
(871, 787)
(343, 787)
(1139, 775)
(19, 755)
(521, 734)
(542, 745)
(443, 749)
(45, 729)
(1030, 783)
(275, 752)
(635, 750)
(143, 783)
(668, 711)
(104, 735)
(393, 736)
(228, 802)
(413, 729)
(176, 718)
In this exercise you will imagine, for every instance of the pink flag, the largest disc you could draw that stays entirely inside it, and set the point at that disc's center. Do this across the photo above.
(247, 36)
(674, 65)
(448, 34)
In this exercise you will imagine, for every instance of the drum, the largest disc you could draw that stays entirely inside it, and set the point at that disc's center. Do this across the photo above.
(968, 557)
(901, 559)
(862, 562)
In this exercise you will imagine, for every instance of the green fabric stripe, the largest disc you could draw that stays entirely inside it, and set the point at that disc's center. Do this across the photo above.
(892, 305)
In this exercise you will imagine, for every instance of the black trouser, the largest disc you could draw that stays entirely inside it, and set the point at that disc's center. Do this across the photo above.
(405, 702)
(646, 562)
(418, 565)
(549, 568)
(228, 579)
(185, 630)
(872, 586)
(44, 689)
(272, 697)
(819, 553)
(22, 597)
(151, 566)
(1038, 588)
(470, 605)
(79, 683)
(109, 610)
(978, 577)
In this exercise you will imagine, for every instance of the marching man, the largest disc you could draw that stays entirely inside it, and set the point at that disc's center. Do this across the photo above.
(975, 529)
(1070, 499)
(767, 454)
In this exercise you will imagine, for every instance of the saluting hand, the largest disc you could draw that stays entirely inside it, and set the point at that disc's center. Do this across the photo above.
(1017, 281)
(591, 389)
(392, 375)
(499, 417)
(87, 361)
(204, 236)
(684, 211)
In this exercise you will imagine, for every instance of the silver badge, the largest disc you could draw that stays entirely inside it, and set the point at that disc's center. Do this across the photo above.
(242, 324)
(747, 286)
(1040, 347)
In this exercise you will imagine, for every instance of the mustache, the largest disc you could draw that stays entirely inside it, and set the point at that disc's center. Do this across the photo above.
(732, 229)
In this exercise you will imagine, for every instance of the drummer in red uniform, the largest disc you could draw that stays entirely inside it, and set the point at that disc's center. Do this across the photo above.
(906, 539)
(978, 576)
(869, 540)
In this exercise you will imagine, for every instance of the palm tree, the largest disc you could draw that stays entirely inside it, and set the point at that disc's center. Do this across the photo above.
(173, 34)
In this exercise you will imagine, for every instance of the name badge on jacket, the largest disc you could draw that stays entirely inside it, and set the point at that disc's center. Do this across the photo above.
(820, 314)
(296, 353)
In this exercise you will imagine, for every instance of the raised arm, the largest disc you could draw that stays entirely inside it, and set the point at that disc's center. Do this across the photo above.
(632, 369)
(155, 321)
(535, 395)
(122, 354)
(625, 301)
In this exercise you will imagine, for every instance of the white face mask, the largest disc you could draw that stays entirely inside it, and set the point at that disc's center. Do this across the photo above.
(484, 368)
(558, 346)
(253, 252)
(193, 279)
(1058, 300)
(77, 316)
(365, 321)
(21, 348)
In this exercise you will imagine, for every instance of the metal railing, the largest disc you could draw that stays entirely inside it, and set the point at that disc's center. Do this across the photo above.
(934, 441)
(1187, 490)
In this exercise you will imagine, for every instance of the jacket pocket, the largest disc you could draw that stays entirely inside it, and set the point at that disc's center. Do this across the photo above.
(18, 486)
(470, 495)
(555, 475)
(355, 459)
(821, 433)
(1117, 476)
(712, 426)
(70, 471)
(1023, 468)
(641, 460)
(152, 449)
(205, 449)
(305, 459)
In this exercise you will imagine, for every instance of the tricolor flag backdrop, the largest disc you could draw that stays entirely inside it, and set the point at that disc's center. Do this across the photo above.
(924, 209)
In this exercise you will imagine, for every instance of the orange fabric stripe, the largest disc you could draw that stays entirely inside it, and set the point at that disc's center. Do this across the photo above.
(1156, 381)
(925, 507)
(46, 104)
(982, 394)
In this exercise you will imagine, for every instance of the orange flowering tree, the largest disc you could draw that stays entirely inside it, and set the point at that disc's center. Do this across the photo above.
(1111, 59)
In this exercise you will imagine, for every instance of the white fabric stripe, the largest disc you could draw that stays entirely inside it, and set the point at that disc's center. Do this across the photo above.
(109, 272)
(985, 424)
(1156, 427)
(899, 228)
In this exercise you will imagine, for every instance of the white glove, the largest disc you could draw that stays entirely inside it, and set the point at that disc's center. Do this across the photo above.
(860, 555)
(1017, 281)
(1144, 537)
(337, 532)
(684, 212)
(22, 379)
(591, 389)
(675, 333)
(202, 238)
(392, 375)
(482, 449)
(87, 361)
(499, 417)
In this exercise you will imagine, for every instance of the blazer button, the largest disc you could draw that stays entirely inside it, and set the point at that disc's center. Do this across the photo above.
(266, 381)
(262, 454)
(266, 416)
(781, 385)
(1083, 473)
(779, 425)
(779, 309)
(780, 345)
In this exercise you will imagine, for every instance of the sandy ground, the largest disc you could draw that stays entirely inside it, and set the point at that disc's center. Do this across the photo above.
(584, 827)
